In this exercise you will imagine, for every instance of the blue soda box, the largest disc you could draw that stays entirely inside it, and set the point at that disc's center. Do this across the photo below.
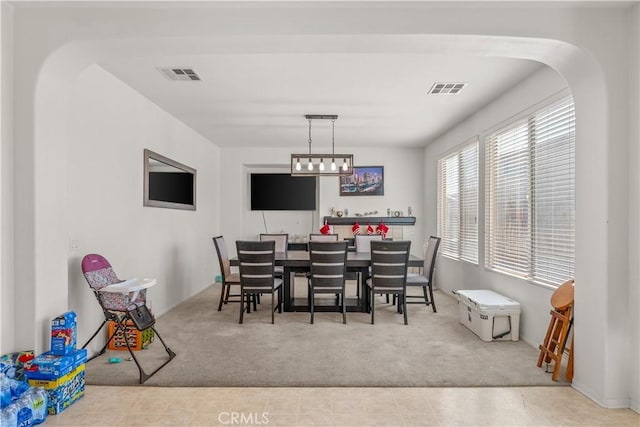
(62, 391)
(64, 333)
(48, 366)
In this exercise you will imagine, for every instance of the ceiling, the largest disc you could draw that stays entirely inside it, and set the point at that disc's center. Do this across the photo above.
(260, 99)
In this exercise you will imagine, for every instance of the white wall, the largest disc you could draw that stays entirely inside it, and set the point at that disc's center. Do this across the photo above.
(634, 206)
(403, 178)
(105, 215)
(6, 178)
(451, 274)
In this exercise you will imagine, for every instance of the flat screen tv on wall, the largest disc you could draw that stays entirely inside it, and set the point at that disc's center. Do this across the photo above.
(282, 192)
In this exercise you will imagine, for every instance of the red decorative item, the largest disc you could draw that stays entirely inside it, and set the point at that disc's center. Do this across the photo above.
(369, 229)
(325, 229)
(382, 229)
(356, 228)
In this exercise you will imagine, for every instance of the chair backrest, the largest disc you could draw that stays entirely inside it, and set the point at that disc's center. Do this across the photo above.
(282, 240)
(223, 257)
(389, 261)
(256, 261)
(323, 237)
(363, 241)
(328, 264)
(430, 255)
(98, 272)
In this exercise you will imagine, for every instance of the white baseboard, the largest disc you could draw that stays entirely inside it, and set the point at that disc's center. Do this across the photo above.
(618, 403)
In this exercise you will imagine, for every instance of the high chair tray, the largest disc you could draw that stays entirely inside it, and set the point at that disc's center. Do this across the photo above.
(130, 285)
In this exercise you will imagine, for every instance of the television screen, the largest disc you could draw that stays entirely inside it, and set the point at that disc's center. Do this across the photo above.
(282, 192)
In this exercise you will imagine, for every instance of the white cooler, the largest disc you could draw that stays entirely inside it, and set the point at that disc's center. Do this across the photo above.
(489, 315)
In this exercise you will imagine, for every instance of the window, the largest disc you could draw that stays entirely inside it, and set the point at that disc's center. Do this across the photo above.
(530, 200)
(458, 203)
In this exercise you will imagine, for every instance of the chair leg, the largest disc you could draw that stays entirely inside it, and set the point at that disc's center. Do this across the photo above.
(344, 308)
(404, 307)
(104, 322)
(373, 307)
(241, 305)
(426, 297)
(223, 291)
(280, 299)
(273, 307)
(312, 303)
(227, 294)
(433, 302)
(255, 299)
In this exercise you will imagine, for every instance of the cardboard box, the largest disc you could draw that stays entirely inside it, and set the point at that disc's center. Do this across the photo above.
(64, 334)
(48, 366)
(62, 391)
(137, 339)
(489, 315)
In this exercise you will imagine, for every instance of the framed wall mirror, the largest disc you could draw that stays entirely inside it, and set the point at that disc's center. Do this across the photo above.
(167, 183)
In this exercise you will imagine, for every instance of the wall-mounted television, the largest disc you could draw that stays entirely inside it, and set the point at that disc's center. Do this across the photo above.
(282, 192)
(167, 183)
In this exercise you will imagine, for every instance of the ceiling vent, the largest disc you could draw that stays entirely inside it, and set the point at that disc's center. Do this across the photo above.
(447, 88)
(180, 74)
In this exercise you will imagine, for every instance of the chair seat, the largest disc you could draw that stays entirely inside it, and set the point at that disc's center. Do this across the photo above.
(233, 278)
(414, 279)
(276, 284)
(383, 288)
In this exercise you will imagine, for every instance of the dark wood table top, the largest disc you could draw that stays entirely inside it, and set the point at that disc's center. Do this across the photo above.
(354, 259)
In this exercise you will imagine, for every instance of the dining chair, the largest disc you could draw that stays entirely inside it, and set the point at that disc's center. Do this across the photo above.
(256, 261)
(389, 262)
(282, 244)
(229, 279)
(363, 244)
(323, 237)
(425, 279)
(328, 268)
(363, 241)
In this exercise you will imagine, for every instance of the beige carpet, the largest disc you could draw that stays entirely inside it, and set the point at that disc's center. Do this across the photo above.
(214, 350)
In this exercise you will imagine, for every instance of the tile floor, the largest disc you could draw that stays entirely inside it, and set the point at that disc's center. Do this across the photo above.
(498, 406)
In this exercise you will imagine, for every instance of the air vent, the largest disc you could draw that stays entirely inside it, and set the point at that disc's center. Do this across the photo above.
(447, 88)
(180, 74)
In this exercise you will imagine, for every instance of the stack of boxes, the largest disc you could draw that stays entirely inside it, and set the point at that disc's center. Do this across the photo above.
(61, 370)
(137, 339)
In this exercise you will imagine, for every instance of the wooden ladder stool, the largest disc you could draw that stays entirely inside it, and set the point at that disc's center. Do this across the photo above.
(555, 340)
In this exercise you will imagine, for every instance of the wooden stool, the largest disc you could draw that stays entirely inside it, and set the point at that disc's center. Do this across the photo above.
(556, 338)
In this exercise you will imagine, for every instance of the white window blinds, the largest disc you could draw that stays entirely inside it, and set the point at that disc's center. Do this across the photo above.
(458, 203)
(530, 178)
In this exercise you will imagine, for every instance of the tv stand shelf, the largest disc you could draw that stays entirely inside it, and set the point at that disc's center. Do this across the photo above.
(373, 220)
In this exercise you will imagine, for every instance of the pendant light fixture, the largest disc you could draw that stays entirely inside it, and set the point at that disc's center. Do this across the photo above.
(314, 164)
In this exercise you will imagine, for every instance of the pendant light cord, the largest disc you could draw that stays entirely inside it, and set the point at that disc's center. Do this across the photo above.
(309, 136)
(333, 126)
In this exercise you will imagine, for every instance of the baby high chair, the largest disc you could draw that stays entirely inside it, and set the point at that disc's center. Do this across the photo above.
(121, 301)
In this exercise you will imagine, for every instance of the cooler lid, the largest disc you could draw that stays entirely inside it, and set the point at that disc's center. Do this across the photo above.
(485, 299)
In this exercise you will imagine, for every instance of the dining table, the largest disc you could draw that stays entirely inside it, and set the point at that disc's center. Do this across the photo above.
(295, 261)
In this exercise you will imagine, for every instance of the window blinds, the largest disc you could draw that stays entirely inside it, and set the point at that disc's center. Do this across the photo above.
(458, 203)
(530, 209)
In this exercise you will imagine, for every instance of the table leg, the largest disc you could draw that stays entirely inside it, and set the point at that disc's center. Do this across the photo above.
(287, 289)
(364, 293)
